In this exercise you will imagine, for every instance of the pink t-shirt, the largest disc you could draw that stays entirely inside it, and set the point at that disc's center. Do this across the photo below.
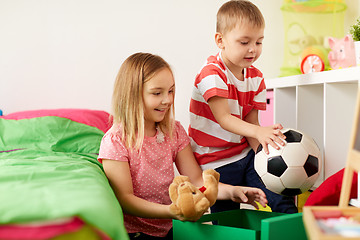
(152, 172)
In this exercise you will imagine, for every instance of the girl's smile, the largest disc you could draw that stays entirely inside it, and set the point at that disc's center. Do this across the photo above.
(158, 97)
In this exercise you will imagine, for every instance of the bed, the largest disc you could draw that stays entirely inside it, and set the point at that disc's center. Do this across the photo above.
(51, 184)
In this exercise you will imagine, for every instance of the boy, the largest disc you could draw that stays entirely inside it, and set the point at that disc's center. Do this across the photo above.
(228, 93)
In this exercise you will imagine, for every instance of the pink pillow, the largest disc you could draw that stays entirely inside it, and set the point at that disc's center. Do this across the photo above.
(41, 231)
(328, 193)
(95, 118)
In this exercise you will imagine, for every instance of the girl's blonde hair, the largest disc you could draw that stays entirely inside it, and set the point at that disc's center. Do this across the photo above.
(127, 99)
(235, 12)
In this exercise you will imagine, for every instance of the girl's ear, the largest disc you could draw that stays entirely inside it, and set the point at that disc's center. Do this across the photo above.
(219, 40)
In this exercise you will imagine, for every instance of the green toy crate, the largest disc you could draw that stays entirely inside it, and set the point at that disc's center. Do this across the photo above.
(242, 224)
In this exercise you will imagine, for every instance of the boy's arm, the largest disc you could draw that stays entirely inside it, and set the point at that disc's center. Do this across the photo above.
(220, 109)
(253, 117)
(264, 135)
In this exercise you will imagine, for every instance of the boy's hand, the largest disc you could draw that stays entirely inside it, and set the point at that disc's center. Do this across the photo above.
(270, 135)
(249, 195)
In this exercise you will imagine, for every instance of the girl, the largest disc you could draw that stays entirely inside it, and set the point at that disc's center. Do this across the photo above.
(139, 150)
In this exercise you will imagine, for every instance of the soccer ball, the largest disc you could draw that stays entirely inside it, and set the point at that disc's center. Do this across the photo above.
(294, 168)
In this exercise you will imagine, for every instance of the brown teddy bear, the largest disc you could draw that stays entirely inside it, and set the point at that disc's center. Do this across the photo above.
(192, 202)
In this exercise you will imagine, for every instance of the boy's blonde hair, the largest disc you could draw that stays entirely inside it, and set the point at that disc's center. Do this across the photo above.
(236, 12)
(127, 100)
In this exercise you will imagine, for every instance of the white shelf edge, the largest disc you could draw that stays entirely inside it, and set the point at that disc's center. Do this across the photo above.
(344, 75)
(354, 202)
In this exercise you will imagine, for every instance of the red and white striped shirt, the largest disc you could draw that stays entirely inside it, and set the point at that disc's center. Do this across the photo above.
(210, 142)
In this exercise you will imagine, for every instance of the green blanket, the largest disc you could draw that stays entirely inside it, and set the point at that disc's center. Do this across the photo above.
(49, 170)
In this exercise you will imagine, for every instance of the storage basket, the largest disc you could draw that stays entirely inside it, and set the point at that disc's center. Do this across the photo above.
(242, 224)
(309, 23)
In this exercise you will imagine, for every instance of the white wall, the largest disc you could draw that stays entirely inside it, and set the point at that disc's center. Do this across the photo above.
(66, 53)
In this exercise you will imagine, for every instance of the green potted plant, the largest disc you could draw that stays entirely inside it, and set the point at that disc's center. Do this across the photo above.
(355, 32)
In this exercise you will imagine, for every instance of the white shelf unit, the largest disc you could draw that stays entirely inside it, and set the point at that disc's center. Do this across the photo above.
(322, 105)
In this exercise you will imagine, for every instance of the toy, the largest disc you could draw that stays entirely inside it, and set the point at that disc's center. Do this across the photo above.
(314, 59)
(190, 201)
(307, 23)
(343, 52)
(298, 43)
(294, 168)
(315, 6)
(312, 63)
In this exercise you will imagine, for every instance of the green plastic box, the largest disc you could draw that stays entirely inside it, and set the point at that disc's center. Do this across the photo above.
(242, 224)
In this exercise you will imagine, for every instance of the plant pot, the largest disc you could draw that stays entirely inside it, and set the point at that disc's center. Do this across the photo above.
(357, 52)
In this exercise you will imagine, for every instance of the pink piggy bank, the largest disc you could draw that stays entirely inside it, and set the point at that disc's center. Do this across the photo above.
(342, 54)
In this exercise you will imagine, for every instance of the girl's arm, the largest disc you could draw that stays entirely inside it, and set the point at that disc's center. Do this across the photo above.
(187, 165)
(265, 135)
(119, 176)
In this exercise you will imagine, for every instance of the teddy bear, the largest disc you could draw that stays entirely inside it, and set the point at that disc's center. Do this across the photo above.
(192, 202)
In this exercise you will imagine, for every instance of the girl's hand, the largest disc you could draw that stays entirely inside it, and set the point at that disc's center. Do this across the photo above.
(192, 219)
(270, 135)
(179, 216)
(249, 195)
